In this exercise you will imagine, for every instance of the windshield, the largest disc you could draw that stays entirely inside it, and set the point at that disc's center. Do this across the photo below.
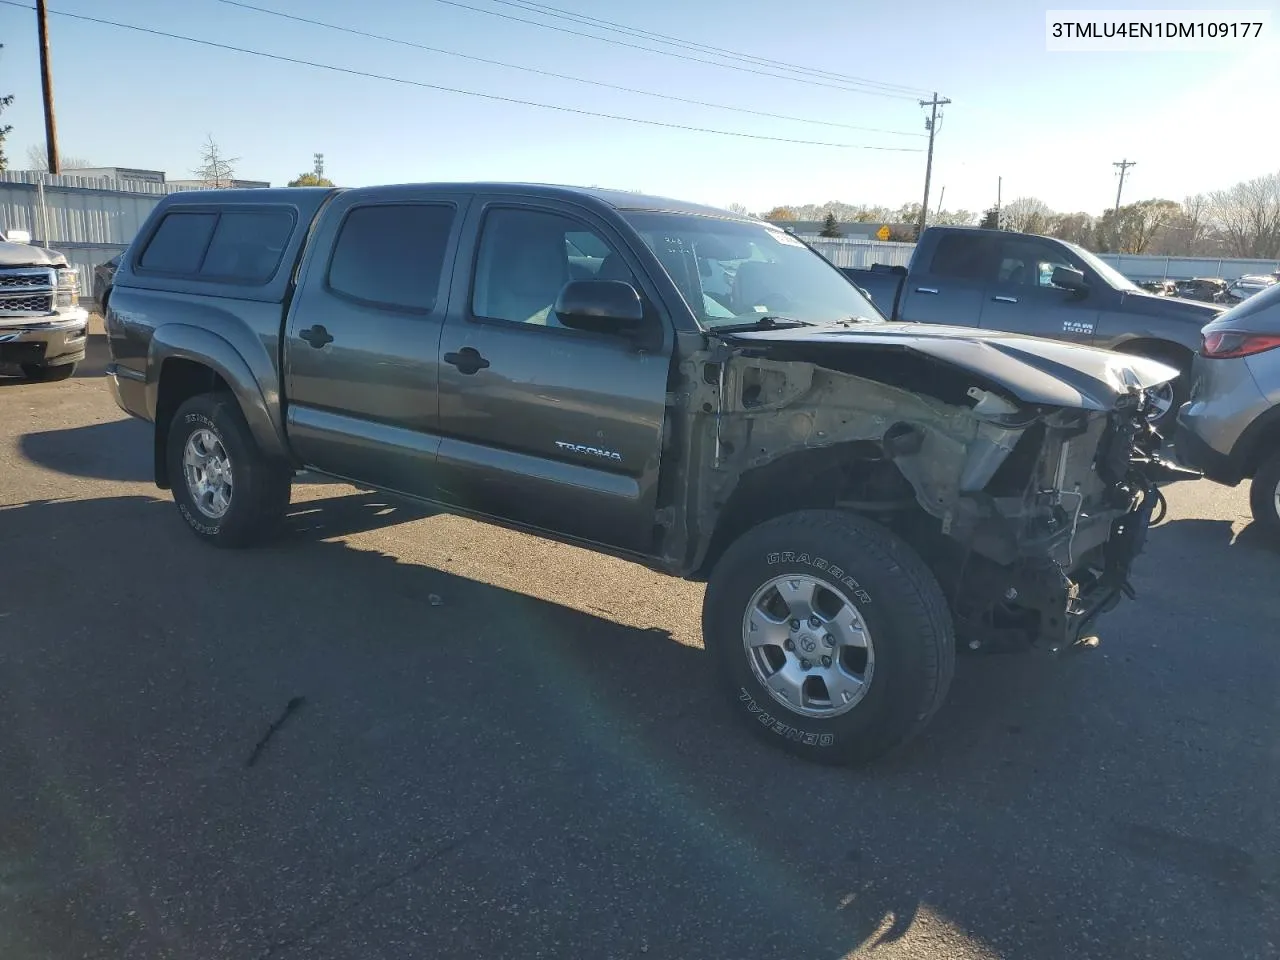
(1110, 274)
(733, 272)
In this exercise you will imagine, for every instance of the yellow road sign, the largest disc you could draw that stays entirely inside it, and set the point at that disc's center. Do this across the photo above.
(883, 233)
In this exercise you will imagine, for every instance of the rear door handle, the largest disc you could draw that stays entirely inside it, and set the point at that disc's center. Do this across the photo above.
(933, 290)
(1005, 299)
(467, 360)
(317, 336)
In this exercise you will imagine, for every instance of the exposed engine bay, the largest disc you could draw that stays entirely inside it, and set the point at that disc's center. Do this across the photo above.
(1029, 513)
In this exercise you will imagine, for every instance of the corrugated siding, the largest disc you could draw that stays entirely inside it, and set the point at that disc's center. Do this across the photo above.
(89, 219)
(846, 252)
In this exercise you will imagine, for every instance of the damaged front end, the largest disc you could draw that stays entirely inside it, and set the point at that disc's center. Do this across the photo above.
(1025, 472)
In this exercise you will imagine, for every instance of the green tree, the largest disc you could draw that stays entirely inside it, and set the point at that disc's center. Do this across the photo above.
(990, 219)
(830, 226)
(5, 128)
(310, 179)
(1130, 229)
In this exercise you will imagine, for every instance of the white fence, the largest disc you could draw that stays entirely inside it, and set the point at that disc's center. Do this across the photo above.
(844, 252)
(1184, 268)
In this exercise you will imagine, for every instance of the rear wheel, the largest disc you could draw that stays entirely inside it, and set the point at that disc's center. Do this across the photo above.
(40, 373)
(830, 636)
(1264, 495)
(227, 491)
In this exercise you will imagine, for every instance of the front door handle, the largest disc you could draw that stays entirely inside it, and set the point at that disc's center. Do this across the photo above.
(317, 336)
(1005, 299)
(933, 290)
(467, 360)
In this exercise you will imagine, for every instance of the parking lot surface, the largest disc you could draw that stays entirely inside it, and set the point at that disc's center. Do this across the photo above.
(393, 734)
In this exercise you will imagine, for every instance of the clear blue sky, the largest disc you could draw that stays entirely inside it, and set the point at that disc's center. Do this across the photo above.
(1050, 124)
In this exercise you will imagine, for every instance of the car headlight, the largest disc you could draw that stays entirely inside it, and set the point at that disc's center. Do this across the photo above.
(68, 288)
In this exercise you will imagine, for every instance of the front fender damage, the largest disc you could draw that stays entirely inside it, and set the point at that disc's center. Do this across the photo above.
(1030, 516)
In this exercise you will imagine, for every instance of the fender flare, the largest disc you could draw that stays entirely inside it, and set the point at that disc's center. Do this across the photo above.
(174, 341)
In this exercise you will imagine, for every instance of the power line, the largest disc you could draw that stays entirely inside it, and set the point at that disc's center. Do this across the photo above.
(615, 27)
(444, 89)
(678, 56)
(559, 76)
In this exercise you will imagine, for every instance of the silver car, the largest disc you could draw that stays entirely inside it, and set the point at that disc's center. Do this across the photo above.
(1230, 427)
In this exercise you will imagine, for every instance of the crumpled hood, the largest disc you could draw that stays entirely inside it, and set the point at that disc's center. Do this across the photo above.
(25, 255)
(1177, 308)
(1032, 369)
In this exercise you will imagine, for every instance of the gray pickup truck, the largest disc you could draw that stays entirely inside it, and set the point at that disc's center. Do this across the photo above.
(43, 328)
(1044, 287)
(575, 363)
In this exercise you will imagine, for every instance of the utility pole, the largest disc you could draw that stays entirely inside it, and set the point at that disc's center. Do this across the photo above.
(46, 82)
(1123, 165)
(999, 189)
(941, 196)
(932, 126)
(318, 159)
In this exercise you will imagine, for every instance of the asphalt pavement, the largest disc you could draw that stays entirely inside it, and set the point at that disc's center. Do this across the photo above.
(400, 735)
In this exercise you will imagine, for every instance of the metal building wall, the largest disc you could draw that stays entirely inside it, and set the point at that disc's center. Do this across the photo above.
(88, 219)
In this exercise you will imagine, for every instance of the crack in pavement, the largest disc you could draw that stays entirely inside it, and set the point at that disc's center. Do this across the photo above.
(441, 849)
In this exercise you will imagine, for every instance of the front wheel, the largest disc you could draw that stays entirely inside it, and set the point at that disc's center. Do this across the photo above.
(1264, 495)
(830, 636)
(227, 491)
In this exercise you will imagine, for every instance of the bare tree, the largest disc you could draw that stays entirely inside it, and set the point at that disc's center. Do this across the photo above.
(955, 218)
(1195, 224)
(38, 159)
(1026, 215)
(1248, 217)
(739, 209)
(872, 215)
(1075, 228)
(216, 169)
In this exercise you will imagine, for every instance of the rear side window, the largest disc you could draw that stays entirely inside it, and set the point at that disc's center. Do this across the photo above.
(392, 255)
(965, 257)
(247, 245)
(179, 243)
(240, 246)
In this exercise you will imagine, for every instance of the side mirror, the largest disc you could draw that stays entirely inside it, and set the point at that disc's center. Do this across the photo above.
(1069, 279)
(603, 306)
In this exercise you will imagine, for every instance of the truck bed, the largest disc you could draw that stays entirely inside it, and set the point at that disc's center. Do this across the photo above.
(883, 284)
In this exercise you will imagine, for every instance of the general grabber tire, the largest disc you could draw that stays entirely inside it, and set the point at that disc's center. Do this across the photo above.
(229, 494)
(858, 606)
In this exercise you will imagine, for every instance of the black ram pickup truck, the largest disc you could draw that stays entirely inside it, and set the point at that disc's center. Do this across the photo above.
(998, 280)
(855, 492)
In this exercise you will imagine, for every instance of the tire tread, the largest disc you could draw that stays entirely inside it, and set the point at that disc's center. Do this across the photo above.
(920, 605)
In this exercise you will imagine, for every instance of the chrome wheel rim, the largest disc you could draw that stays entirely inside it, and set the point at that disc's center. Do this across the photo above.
(207, 469)
(808, 646)
(1275, 499)
(1161, 401)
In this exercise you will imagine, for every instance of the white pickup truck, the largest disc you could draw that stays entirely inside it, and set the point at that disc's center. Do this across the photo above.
(43, 328)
